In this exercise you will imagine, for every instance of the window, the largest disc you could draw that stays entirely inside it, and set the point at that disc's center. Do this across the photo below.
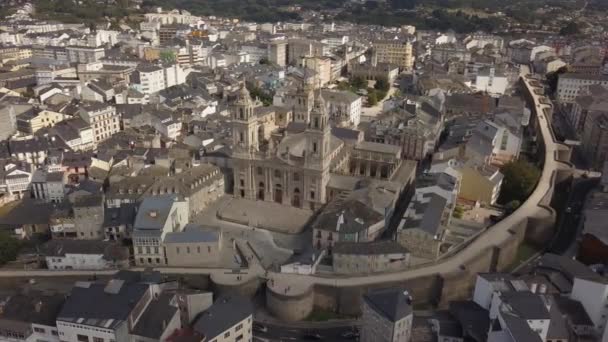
(296, 176)
(238, 327)
(277, 173)
(227, 334)
(139, 249)
(312, 195)
(97, 339)
(198, 249)
(82, 338)
(54, 333)
(177, 250)
(39, 330)
(188, 249)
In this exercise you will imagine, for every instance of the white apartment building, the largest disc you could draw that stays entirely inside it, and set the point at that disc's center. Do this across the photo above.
(150, 79)
(68, 254)
(172, 17)
(592, 292)
(491, 81)
(156, 217)
(569, 85)
(344, 107)
(102, 118)
(335, 41)
(16, 179)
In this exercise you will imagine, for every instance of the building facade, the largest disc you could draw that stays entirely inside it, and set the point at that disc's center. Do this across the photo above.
(395, 52)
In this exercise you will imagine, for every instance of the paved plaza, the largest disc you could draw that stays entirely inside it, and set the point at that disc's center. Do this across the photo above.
(266, 215)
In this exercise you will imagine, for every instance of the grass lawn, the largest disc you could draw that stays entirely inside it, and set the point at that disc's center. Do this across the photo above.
(524, 252)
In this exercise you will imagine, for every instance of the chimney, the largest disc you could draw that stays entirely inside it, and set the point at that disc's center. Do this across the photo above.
(533, 287)
(542, 289)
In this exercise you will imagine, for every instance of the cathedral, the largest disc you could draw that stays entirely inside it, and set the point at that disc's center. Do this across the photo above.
(273, 165)
(289, 155)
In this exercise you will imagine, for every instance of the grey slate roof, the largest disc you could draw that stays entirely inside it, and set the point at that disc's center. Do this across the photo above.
(569, 268)
(22, 308)
(574, 310)
(152, 323)
(356, 217)
(526, 305)
(160, 205)
(110, 309)
(224, 313)
(473, 319)
(392, 303)
(431, 212)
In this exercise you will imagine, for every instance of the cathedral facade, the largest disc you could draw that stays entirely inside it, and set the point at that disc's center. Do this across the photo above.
(288, 168)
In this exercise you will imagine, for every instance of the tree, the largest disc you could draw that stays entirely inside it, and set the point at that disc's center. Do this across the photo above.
(167, 56)
(520, 178)
(9, 248)
(458, 212)
(570, 29)
(358, 82)
(372, 99)
(382, 84)
(512, 206)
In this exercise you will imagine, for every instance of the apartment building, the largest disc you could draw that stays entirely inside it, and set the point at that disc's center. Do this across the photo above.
(149, 79)
(594, 139)
(321, 67)
(387, 316)
(298, 48)
(30, 317)
(569, 85)
(84, 54)
(102, 118)
(593, 98)
(344, 107)
(277, 52)
(396, 52)
(229, 319)
(157, 217)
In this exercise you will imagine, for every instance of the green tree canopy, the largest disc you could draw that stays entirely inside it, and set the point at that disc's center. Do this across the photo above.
(372, 99)
(9, 248)
(570, 29)
(358, 82)
(382, 84)
(520, 178)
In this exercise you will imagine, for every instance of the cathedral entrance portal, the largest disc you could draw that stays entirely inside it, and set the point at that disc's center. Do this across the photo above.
(261, 191)
(296, 198)
(278, 193)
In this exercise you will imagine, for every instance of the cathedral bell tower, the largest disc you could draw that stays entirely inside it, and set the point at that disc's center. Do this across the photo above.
(318, 132)
(244, 130)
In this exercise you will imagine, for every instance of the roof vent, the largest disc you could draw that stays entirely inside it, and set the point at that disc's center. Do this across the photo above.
(153, 213)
